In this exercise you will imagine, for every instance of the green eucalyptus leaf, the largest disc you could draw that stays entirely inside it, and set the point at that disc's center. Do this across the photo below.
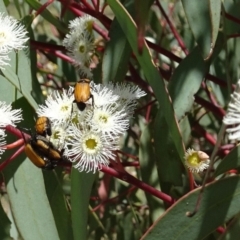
(219, 203)
(148, 168)
(48, 15)
(81, 186)
(167, 159)
(53, 183)
(116, 55)
(186, 81)
(204, 20)
(230, 161)
(4, 223)
(150, 71)
(30, 207)
(21, 77)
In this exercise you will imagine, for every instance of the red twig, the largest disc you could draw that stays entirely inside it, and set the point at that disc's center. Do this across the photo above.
(173, 29)
(10, 159)
(114, 199)
(136, 182)
(217, 111)
(15, 144)
(43, 7)
(232, 18)
(200, 130)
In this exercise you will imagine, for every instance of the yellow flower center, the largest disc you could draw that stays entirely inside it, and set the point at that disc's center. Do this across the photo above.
(89, 26)
(3, 37)
(91, 143)
(56, 135)
(81, 49)
(194, 159)
(64, 108)
(75, 120)
(103, 119)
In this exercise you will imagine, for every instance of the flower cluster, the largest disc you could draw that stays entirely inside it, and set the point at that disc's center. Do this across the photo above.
(232, 118)
(8, 117)
(196, 161)
(91, 137)
(80, 43)
(13, 36)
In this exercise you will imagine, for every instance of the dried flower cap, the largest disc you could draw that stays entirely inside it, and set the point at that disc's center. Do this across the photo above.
(196, 161)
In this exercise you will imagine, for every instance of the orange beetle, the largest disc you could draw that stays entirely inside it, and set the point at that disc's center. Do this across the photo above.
(42, 152)
(43, 126)
(82, 93)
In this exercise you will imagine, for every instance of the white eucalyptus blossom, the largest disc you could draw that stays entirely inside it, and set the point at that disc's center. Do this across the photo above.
(13, 34)
(103, 95)
(232, 117)
(88, 149)
(128, 95)
(2, 141)
(58, 106)
(196, 161)
(80, 45)
(81, 49)
(85, 23)
(127, 92)
(4, 60)
(110, 121)
(8, 115)
(89, 137)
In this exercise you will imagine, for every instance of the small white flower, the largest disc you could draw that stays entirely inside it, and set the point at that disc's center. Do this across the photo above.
(12, 34)
(4, 59)
(58, 135)
(82, 23)
(110, 121)
(196, 161)
(128, 94)
(9, 116)
(103, 95)
(85, 72)
(126, 91)
(58, 107)
(89, 149)
(80, 44)
(233, 115)
(81, 48)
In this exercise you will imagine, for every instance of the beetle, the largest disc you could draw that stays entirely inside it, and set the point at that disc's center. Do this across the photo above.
(82, 93)
(42, 152)
(43, 126)
(46, 148)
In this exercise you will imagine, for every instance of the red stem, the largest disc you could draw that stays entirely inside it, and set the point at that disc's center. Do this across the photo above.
(10, 159)
(114, 199)
(217, 111)
(43, 7)
(136, 182)
(14, 144)
(200, 130)
(173, 29)
(232, 18)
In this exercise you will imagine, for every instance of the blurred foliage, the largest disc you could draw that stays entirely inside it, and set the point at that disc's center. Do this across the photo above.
(188, 66)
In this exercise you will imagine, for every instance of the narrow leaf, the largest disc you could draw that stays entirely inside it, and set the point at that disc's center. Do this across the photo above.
(220, 202)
